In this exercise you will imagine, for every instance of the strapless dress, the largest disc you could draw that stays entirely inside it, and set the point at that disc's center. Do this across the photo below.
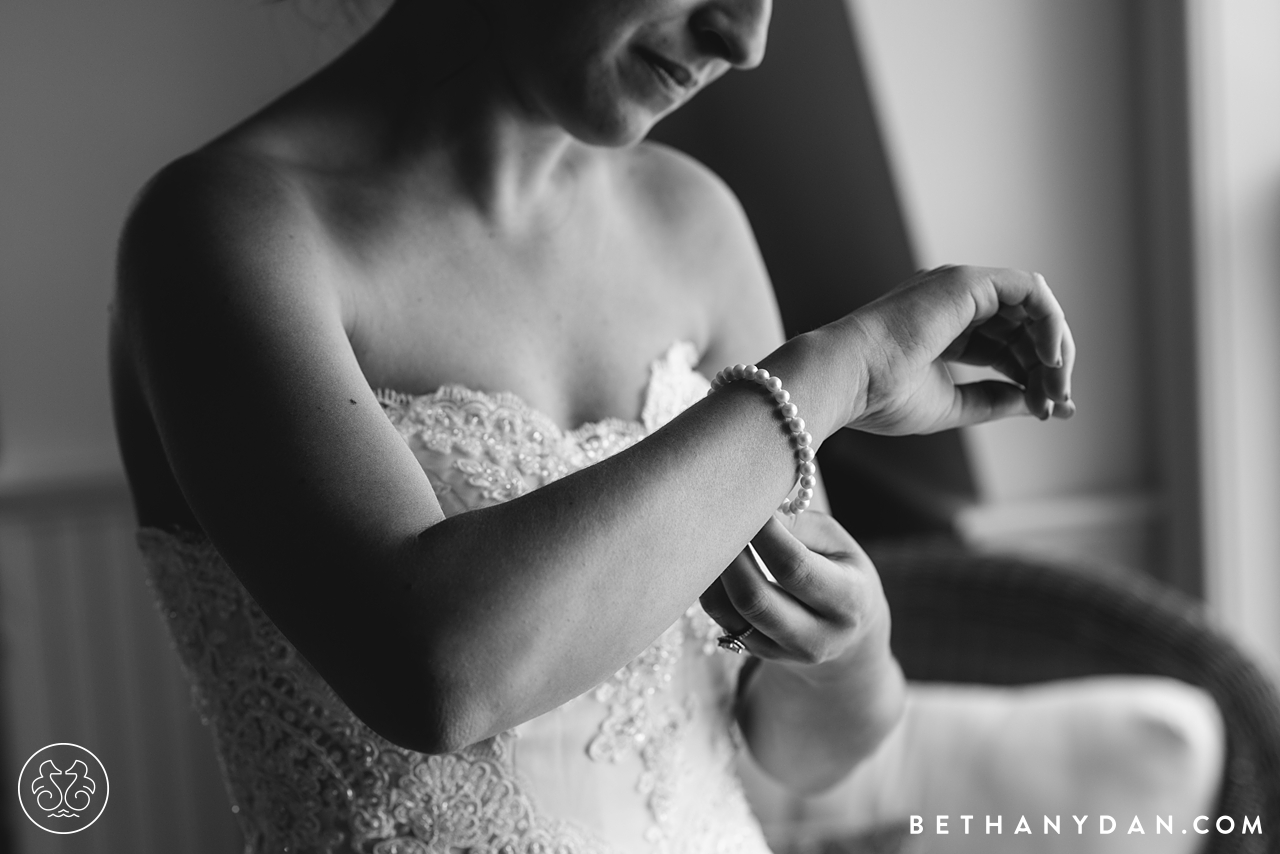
(644, 762)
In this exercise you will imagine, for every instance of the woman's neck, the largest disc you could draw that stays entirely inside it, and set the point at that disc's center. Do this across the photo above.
(425, 99)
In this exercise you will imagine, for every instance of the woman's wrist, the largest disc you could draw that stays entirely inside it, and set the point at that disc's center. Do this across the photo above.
(873, 686)
(826, 376)
(849, 714)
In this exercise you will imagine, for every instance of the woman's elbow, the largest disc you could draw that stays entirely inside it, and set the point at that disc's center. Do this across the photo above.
(417, 701)
(433, 735)
(433, 721)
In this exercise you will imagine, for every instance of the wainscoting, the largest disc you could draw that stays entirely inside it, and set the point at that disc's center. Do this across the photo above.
(87, 659)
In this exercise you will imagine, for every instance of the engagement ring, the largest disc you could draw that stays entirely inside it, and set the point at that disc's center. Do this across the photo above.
(733, 642)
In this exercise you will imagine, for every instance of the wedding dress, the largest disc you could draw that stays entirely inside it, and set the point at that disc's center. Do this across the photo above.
(641, 763)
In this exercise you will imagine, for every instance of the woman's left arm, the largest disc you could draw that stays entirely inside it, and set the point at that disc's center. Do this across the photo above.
(823, 688)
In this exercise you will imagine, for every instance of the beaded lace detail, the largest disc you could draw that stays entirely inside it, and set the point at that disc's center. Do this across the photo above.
(306, 775)
(633, 726)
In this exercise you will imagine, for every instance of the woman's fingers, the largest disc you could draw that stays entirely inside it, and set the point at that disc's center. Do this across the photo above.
(816, 560)
(1048, 324)
(1028, 292)
(986, 350)
(1007, 342)
(715, 601)
(987, 400)
(1010, 303)
(1048, 388)
(771, 610)
(1049, 321)
(1060, 378)
(825, 594)
(809, 560)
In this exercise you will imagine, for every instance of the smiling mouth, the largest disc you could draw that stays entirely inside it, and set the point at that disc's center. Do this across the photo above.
(673, 74)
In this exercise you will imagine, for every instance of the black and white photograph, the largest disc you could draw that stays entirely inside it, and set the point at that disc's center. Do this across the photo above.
(640, 426)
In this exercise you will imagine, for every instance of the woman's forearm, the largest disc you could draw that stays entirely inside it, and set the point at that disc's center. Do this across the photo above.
(514, 609)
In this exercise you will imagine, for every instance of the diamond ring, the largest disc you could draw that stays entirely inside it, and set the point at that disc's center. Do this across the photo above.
(733, 642)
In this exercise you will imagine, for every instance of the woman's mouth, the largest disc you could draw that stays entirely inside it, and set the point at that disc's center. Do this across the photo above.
(672, 75)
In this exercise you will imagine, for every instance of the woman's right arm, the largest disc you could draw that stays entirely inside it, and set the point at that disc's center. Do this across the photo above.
(440, 632)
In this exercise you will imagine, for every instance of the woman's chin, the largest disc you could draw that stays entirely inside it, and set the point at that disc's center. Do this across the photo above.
(618, 107)
(620, 129)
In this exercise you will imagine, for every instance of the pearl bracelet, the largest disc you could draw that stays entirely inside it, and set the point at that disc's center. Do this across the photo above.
(806, 471)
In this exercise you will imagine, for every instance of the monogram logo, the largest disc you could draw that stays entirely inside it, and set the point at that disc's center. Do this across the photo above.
(63, 788)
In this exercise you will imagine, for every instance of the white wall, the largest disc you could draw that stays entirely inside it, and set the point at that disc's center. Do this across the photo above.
(1235, 88)
(88, 659)
(1010, 126)
(94, 98)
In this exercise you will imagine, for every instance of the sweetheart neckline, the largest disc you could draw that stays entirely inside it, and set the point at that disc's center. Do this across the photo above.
(457, 392)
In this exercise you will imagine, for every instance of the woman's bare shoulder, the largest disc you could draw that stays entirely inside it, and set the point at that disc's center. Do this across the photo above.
(215, 218)
(699, 220)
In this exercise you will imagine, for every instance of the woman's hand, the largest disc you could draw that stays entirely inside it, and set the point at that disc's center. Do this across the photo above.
(825, 614)
(828, 689)
(1004, 319)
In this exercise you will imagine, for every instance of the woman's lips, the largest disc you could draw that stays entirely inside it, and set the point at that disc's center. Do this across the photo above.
(673, 74)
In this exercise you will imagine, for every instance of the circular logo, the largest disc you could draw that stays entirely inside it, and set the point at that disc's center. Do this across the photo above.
(63, 788)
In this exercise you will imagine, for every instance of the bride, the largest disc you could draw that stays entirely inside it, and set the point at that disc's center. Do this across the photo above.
(410, 380)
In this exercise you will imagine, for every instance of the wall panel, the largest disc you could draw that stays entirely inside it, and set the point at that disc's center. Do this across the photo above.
(87, 659)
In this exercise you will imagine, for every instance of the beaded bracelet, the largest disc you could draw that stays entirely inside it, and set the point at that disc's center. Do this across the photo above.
(806, 471)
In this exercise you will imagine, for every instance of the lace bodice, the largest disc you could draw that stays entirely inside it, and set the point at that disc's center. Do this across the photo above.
(641, 763)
